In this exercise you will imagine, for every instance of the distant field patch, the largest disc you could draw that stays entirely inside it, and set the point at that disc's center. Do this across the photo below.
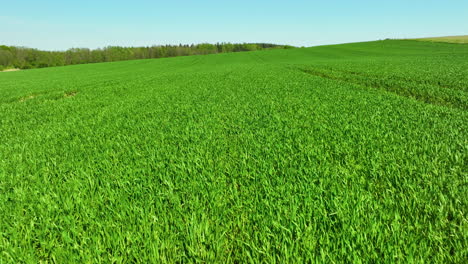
(450, 39)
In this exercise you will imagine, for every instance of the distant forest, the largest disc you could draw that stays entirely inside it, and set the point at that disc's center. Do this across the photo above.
(28, 58)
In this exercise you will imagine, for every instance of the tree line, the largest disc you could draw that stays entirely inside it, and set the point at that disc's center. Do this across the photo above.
(28, 58)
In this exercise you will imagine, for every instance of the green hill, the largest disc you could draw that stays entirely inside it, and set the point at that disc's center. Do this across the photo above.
(341, 153)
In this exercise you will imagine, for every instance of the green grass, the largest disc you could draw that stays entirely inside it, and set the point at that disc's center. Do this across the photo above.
(347, 153)
(449, 39)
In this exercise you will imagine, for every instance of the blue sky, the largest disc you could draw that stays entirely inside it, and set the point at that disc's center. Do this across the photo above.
(63, 24)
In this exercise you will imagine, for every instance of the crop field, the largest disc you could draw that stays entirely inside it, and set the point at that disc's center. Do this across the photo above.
(353, 153)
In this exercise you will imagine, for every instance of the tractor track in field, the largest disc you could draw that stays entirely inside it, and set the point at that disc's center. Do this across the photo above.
(395, 85)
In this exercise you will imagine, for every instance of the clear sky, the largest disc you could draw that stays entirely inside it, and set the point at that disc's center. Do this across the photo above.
(63, 24)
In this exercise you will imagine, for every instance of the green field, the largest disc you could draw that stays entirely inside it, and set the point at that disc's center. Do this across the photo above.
(336, 154)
